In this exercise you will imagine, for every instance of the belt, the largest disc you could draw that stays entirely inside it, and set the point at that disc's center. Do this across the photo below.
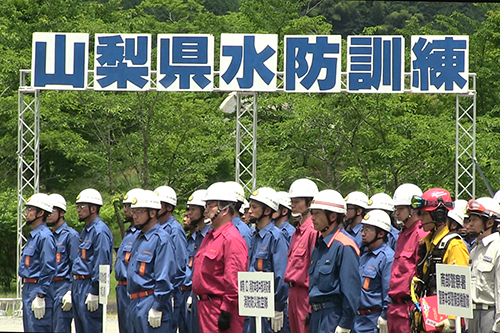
(81, 277)
(368, 311)
(58, 278)
(402, 300)
(207, 297)
(321, 306)
(184, 288)
(141, 294)
(28, 280)
(482, 306)
(122, 283)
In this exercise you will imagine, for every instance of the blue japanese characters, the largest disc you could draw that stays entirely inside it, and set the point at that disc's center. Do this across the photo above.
(249, 62)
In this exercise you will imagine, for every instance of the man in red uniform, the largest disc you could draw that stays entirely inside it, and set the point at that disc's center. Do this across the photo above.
(222, 254)
(404, 266)
(301, 193)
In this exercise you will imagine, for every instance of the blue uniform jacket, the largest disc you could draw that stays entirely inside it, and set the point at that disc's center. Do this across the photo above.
(96, 248)
(393, 238)
(244, 230)
(334, 274)
(124, 252)
(39, 257)
(287, 230)
(152, 266)
(193, 244)
(375, 272)
(268, 253)
(355, 234)
(67, 240)
(176, 232)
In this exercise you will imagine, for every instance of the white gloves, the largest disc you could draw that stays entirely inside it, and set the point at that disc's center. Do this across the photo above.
(447, 325)
(342, 330)
(189, 303)
(382, 325)
(66, 301)
(277, 321)
(154, 318)
(38, 307)
(92, 302)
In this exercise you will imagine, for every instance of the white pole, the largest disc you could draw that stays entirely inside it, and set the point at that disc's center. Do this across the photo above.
(458, 324)
(258, 324)
(104, 311)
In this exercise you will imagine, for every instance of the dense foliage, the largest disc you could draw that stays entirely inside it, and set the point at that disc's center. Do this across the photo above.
(117, 141)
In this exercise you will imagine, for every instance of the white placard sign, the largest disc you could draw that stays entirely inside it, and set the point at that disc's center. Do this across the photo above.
(256, 294)
(103, 284)
(453, 290)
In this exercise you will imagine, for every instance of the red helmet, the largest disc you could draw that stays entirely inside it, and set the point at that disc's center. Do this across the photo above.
(432, 199)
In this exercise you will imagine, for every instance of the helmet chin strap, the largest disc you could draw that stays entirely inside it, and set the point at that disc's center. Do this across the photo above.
(140, 226)
(372, 241)
(219, 210)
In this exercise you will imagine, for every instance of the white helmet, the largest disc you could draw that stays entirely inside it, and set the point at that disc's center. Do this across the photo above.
(404, 193)
(40, 200)
(90, 196)
(329, 200)
(220, 192)
(284, 199)
(244, 207)
(357, 198)
(496, 197)
(378, 218)
(381, 201)
(238, 190)
(146, 199)
(133, 193)
(58, 201)
(303, 188)
(167, 194)
(267, 196)
(485, 206)
(197, 198)
(457, 214)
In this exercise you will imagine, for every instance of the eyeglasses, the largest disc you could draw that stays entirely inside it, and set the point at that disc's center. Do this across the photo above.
(210, 206)
(139, 211)
(81, 206)
(29, 209)
(419, 202)
(126, 205)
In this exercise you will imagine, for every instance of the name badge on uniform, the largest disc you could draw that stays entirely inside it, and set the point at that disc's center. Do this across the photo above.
(488, 259)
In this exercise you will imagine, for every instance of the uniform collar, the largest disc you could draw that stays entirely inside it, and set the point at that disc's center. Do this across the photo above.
(236, 220)
(439, 235)
(151, 231)
(60, 228)
(38, 229)
(379, 249)
(356, 228)
(264, 230)
(92, 224)
(218, 232)
(203, 232)
(328, 239)
(170, 219)
(283, 225)
(411, 228)
(308, 223)
(490, 238)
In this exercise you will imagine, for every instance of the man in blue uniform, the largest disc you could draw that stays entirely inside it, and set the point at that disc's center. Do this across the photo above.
(268, 253)
(166, 218)
(375, 266)
(67, 250)
(151, 270)
(282, 216)
(356, 204)
(95, 248)
(38, 266)
(334, 285)
(244, 229)
(385, 203)
(196, 207)
(122, 260)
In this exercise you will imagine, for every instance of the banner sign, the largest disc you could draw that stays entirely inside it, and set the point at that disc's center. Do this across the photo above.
(249, 62)
(256, 294)
(453, 290)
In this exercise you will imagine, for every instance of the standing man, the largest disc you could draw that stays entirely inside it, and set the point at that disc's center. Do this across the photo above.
(484, 214)
(67, 240)
(404, 267)
(334, 288)
(375, 271)
(38, 266)
(356, 202)
(166, 218)
(123, 258)
(95, 248)
(268, 254)
(196, 207)
(301, 193)
(244, 229)
(282, 216)
(151, 270)
(222, 254)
